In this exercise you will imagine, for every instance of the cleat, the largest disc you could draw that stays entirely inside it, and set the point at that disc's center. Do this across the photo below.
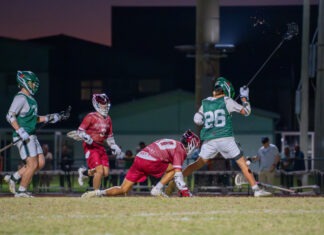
(262, 193)
(81, 176)
(11, 183)
(90, 194)
(184, 193)
(23, 194)
(158, 193)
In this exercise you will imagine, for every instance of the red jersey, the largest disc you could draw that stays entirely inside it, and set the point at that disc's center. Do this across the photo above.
(97, 126)
(165, 150)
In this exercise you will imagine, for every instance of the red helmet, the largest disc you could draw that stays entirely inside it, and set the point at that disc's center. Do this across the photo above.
(190, 141)
(101, 103)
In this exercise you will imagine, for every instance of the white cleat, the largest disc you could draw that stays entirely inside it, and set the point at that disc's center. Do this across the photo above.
(81, 176)
(23, 194)
(262, 193)
(158, 193)
(11, 183)
(90, 194)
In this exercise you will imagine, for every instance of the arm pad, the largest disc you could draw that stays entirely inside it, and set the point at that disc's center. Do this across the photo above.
(11, 117)
(111, 141)
(246, 108)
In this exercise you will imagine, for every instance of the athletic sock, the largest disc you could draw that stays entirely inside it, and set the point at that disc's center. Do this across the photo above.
(21, 189)
(159, 186)
(255, 187)
(100, 192)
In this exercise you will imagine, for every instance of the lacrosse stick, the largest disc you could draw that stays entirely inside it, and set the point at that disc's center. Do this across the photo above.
(64, 116)
(241, 180)
(292, 31)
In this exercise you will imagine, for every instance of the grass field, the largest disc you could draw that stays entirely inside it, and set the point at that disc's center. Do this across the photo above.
(147, 215)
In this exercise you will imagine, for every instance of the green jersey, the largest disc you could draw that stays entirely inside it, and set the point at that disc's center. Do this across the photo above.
(25, 108)
(217, 117)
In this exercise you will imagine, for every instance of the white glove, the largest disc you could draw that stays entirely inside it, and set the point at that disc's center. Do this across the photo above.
(199, 119)
(22, 133)
(244, 92)
(53, 118)
(86, 138)
(115, 149)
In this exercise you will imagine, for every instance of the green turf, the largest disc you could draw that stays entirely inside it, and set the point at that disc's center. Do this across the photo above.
(147, 215)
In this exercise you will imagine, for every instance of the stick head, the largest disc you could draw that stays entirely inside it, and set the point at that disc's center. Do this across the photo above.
(292, 31)
(66, 114)
(240, 179)
(74, 135)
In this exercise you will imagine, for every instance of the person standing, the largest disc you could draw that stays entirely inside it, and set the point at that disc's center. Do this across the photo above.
(215, 118)
(269, 157)
(95, 129)
(45, 178)
(23, 117)
(299, 165)
(66, 166)
(286, 165)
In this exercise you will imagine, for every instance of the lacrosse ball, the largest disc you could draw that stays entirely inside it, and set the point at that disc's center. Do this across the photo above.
(248, 162)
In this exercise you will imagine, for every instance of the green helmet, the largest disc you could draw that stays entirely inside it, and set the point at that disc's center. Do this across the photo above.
(226, 86)
(28, 80)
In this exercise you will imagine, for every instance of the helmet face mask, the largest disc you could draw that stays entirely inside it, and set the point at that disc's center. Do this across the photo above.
(101, 103)
(190, 141)
(28, 80)
(226, 86)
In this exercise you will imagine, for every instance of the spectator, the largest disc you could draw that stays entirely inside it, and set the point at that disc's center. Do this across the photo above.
(299, 164)
(129, 159)
(66, 166)
(120, 160)
(45, 178)
(286, 164)
(268, 155)
(141, 145)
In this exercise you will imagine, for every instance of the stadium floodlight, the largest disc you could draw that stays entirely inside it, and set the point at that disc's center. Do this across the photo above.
(209, 50)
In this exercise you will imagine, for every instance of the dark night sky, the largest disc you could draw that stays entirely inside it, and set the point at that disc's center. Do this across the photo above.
(85, 19)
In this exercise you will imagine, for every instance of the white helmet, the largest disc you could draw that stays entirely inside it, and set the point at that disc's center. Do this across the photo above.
(101, 103)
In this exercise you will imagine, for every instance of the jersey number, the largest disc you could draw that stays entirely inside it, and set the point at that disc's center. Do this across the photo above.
(215, 119)
(166, 144)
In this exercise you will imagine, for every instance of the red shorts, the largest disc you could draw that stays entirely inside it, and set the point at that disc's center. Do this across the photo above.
(142, 168)
(95, 155)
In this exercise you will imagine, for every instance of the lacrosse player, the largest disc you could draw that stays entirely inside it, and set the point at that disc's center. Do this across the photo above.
(214, 115)
(23, 117)
(163, 157)
(96, 128)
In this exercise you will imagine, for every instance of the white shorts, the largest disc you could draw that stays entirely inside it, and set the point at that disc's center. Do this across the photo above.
(227, 147)
(29, 148)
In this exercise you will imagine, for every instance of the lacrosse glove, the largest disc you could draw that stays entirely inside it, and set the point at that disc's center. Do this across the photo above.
(244, 92)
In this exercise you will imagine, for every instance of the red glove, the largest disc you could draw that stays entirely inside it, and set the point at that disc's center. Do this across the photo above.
(184, 193)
